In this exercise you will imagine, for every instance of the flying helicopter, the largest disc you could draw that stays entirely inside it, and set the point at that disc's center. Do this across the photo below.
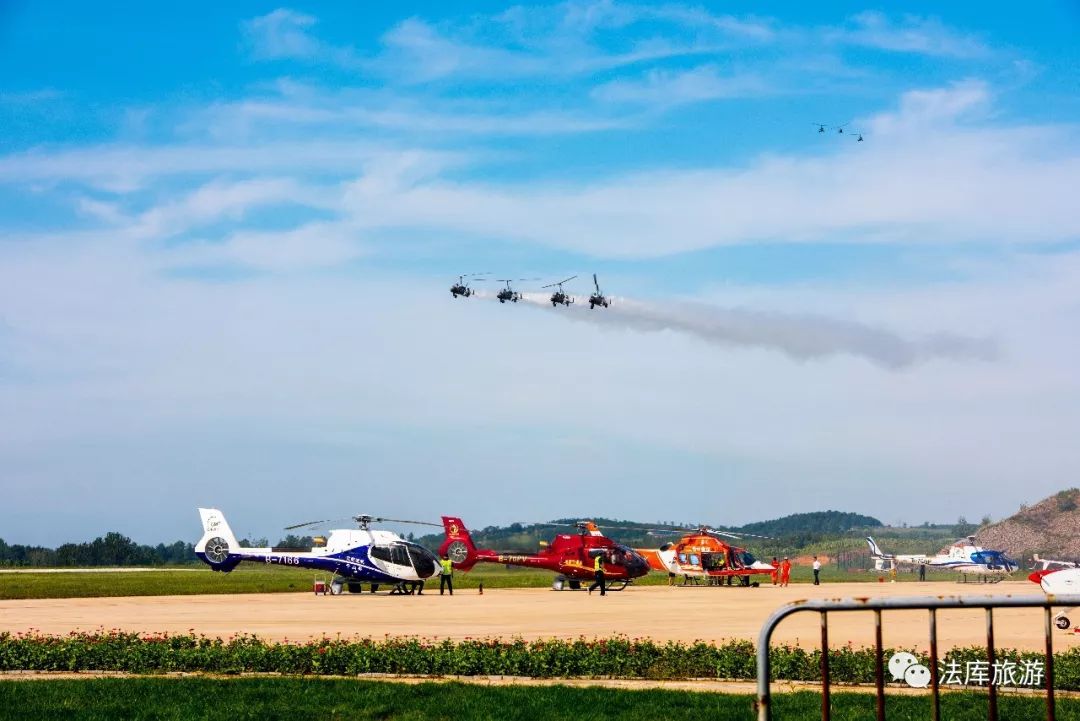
(702, 553)
(355, 556)
(965, 557)
(559, 296)
(820, 127)
(570, 556)
(508, 293)
(462, 286)
(597, 298)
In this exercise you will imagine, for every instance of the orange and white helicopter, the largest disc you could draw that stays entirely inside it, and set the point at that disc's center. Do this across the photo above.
(701, 553)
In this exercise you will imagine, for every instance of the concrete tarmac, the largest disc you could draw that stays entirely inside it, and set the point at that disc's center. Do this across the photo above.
(660, 613)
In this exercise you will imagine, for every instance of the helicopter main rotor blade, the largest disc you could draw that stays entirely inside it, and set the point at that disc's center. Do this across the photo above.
(316, 523)
(380, 519)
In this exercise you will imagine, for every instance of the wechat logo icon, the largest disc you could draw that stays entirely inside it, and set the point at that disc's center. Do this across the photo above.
(905, 667)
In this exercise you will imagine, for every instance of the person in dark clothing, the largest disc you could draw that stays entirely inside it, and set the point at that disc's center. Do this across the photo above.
(598, 573)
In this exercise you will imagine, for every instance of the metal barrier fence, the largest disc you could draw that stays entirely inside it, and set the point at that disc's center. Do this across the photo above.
(907, 603)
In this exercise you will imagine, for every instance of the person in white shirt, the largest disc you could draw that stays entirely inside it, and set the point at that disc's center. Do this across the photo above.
(817, 571)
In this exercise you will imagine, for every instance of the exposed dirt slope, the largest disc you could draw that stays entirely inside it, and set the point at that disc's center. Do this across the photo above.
(1050, 528)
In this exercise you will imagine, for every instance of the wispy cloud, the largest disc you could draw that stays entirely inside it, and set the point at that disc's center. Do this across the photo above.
(666, 88)
(911, 34)
(925, 175)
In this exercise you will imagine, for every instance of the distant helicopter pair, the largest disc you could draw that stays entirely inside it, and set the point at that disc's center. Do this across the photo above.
(559, 297)
(840, 130)
(509, 295)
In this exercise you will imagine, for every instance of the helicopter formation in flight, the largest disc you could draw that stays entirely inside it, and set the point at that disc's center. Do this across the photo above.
(840, 130)
(508, 295)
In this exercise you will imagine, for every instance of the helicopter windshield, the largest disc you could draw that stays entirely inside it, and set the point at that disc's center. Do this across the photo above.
(745, 558)
(406, 555)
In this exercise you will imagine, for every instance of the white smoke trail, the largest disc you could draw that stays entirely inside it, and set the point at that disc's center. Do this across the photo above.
(799, 336)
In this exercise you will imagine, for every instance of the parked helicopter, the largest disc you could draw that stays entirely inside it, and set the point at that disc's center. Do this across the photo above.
(965, 557)
(559, 297)
(354, 556)
(597, 298)
(1058, 578)
(702, 553)
(462, 287)
(508, 293)
(569, 555)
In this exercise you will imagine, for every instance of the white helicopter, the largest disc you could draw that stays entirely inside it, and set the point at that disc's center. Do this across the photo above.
(1058, 578)
(964, 557)
(354, 556)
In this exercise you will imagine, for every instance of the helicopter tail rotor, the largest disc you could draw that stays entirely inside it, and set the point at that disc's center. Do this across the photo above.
(458, 545)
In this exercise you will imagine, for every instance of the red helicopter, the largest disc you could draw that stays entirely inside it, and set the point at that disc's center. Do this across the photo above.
(569, 555)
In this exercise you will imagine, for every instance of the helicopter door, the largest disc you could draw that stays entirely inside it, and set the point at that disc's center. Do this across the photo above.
(394, 554)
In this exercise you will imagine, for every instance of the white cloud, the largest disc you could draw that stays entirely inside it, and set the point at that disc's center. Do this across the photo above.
(913, 34)
(295, 250)
(923, 176)
(124, 168)
(285, 33)
(665, 88)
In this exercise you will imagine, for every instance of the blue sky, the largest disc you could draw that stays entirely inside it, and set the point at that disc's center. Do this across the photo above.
(227, 231)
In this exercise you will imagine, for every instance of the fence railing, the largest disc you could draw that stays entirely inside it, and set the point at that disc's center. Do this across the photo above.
(931, 604)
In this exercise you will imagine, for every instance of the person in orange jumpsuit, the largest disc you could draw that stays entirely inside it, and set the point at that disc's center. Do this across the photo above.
(775, 570)
(785, 572)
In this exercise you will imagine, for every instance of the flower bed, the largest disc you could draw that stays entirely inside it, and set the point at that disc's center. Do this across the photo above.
(619, 657)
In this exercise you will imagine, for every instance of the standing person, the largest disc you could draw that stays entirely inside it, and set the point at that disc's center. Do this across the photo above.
(775, 570)
(598, 572)
(446, 575)
(785, 572)
(817, 571)
(922, 571)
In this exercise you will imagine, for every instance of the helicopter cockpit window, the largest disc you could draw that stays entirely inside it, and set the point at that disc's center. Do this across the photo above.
(695, 560)
(746, 559)
(423, 560)
(380, 553)
(399, 555)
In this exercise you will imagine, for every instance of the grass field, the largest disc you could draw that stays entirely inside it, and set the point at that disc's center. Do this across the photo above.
(251, 578)
(292, 698)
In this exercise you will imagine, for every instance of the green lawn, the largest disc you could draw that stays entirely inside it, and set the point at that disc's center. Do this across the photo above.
(251, 578)
(294, 698)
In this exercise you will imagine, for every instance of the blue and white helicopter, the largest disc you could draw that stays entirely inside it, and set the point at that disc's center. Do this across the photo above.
(965, 557)
(354, 556)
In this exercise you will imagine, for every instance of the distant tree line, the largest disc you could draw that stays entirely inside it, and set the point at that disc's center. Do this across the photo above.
(112, 549)
(817, 523)
(116, 549)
